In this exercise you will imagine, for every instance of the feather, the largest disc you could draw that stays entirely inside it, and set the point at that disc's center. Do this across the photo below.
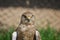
(14, 35)
(38, 36)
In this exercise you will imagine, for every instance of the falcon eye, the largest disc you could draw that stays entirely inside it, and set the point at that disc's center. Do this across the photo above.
(32, 16)
(24, 16)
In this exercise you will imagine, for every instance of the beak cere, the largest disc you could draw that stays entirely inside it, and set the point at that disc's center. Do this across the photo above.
(29, 17)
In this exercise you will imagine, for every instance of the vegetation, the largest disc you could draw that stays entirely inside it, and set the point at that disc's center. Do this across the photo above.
(49, 34)
(46, 34)
(6, 35)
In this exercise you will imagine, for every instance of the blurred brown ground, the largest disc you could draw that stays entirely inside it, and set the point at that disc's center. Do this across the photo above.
(11, 16)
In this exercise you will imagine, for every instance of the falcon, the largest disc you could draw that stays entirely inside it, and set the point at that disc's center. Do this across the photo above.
(26, 29)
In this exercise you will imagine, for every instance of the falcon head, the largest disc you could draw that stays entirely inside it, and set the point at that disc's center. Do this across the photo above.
(27, 18)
